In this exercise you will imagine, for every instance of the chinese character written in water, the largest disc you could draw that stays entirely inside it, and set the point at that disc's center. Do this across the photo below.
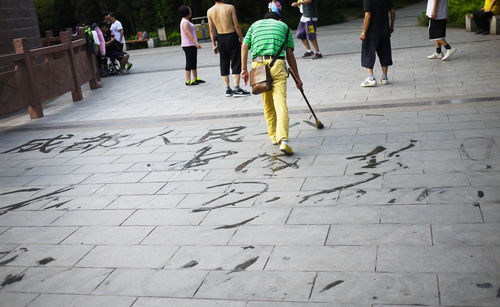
(203, 157)
(225, 134)
(162, 135)
(42, 145)
(103, 140)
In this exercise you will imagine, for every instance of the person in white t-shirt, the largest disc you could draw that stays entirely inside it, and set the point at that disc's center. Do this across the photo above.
(117, 32)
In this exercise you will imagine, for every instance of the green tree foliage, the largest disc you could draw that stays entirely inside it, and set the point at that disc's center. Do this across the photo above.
(457, 9)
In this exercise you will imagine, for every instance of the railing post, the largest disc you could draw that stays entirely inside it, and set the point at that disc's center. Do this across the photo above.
(76, 92)
(34, 106)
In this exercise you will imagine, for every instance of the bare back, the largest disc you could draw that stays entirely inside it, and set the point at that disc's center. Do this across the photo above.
(223, 16)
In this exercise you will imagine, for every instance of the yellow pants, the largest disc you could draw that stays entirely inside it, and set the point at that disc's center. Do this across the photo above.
(275, 108)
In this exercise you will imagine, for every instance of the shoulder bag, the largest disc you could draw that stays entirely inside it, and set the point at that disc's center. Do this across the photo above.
(260, 77)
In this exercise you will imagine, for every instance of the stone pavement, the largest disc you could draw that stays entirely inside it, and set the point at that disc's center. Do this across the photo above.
(148, 193)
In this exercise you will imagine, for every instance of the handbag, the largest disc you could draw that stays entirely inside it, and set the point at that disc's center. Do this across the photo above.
(260, 77)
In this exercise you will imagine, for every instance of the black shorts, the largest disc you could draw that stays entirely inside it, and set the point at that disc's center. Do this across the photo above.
(191, 57)
(230, 53)
(437, 29)
(382, 47)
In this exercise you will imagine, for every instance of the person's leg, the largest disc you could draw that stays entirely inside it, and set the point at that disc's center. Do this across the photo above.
(312, 37)
(269, 111)
(384, 53)
(483, 22)
(236, 67)
(302, 35)
(279, 76)
(187, 68)
(368, 61)
(314, 42)
(225, 64)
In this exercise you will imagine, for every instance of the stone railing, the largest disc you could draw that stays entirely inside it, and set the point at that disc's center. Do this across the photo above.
(30, 77)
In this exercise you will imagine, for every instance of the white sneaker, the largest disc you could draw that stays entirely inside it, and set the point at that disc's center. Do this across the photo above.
(449, 53)
(384, 81)
(435, 55)
(369, 82)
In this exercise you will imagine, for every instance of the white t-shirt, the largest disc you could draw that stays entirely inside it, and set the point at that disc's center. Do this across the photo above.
(441, 9)
(116, 27)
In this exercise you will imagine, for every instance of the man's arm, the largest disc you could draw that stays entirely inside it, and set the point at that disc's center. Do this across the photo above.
(433, 16)
(211, 25)
(121, 35)
(393, 19)
(236, 24)
(492, 5)
(294, 4)
(244, 67)
(366, 24)
(290, 58)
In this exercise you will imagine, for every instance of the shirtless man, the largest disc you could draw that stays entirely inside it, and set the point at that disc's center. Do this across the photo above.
(222, 18)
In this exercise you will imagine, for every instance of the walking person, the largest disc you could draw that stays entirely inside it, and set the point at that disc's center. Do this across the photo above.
(222, 17)
(306, 31)
(437, 11)
(482, 17)
(265, 38)
(275, 6)
(190, 45)
(376, 38)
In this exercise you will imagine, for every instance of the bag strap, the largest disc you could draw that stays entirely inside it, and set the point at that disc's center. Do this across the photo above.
(281, 49)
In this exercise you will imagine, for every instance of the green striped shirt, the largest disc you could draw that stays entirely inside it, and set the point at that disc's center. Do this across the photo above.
(266, 36)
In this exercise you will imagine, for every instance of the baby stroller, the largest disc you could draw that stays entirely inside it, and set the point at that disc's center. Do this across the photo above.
(109, 66)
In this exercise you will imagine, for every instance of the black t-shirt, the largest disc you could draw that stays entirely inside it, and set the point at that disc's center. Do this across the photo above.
(379, 18)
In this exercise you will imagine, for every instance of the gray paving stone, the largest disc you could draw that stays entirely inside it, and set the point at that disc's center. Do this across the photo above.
(358, 196)
(102, 168)
(259, 216)
(355, 139)
(130, 188)
(425, 214)
(219, 257)
(36, 235)
(466, 234)
(469, 289)
(380, 234)
(293, 304)
(335, 215)
(461, 166)
(185, 187)
(59, 179)
(16, 181)
(126, 256)
(130, 177)
(436, 259)
(425, 180)
(59, 280)
(359, 181)
(29, 218)
(16, 299)
(491, 213)
(421, 136)
(280, 235)
(146, 201)
(212, 200)
(485, 178)
(111, 235)
(188, 235)
(151, 283)
(93, 218)
(185, 175)
(49, 300)
(323, 258)
(31, 255)
(50, 170)
(165, 217)
(381, 288)
(253, 285)
(163, 301)
(76, 203)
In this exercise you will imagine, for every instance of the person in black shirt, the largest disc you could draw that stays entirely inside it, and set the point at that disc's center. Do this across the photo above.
(113, 47)
(376, 38)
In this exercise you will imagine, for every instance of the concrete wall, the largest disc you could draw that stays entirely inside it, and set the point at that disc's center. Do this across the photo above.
(18, 19)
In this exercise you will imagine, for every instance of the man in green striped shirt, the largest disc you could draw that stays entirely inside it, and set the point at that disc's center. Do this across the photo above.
(265, 38)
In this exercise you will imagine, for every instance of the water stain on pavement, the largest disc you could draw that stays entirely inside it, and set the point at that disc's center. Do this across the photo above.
(422, 196)
(403, 149)
(57, 205)
(190, 264)
(248, 247)
(243, 266)
(46, 260)
(331, 285)
(10, 279)
(480, 194)
(374, 152)
(9, 260)
(310, 123)
(21, 191)
(485, 285)
(47, 196)
(273, 199)
(237, 224)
